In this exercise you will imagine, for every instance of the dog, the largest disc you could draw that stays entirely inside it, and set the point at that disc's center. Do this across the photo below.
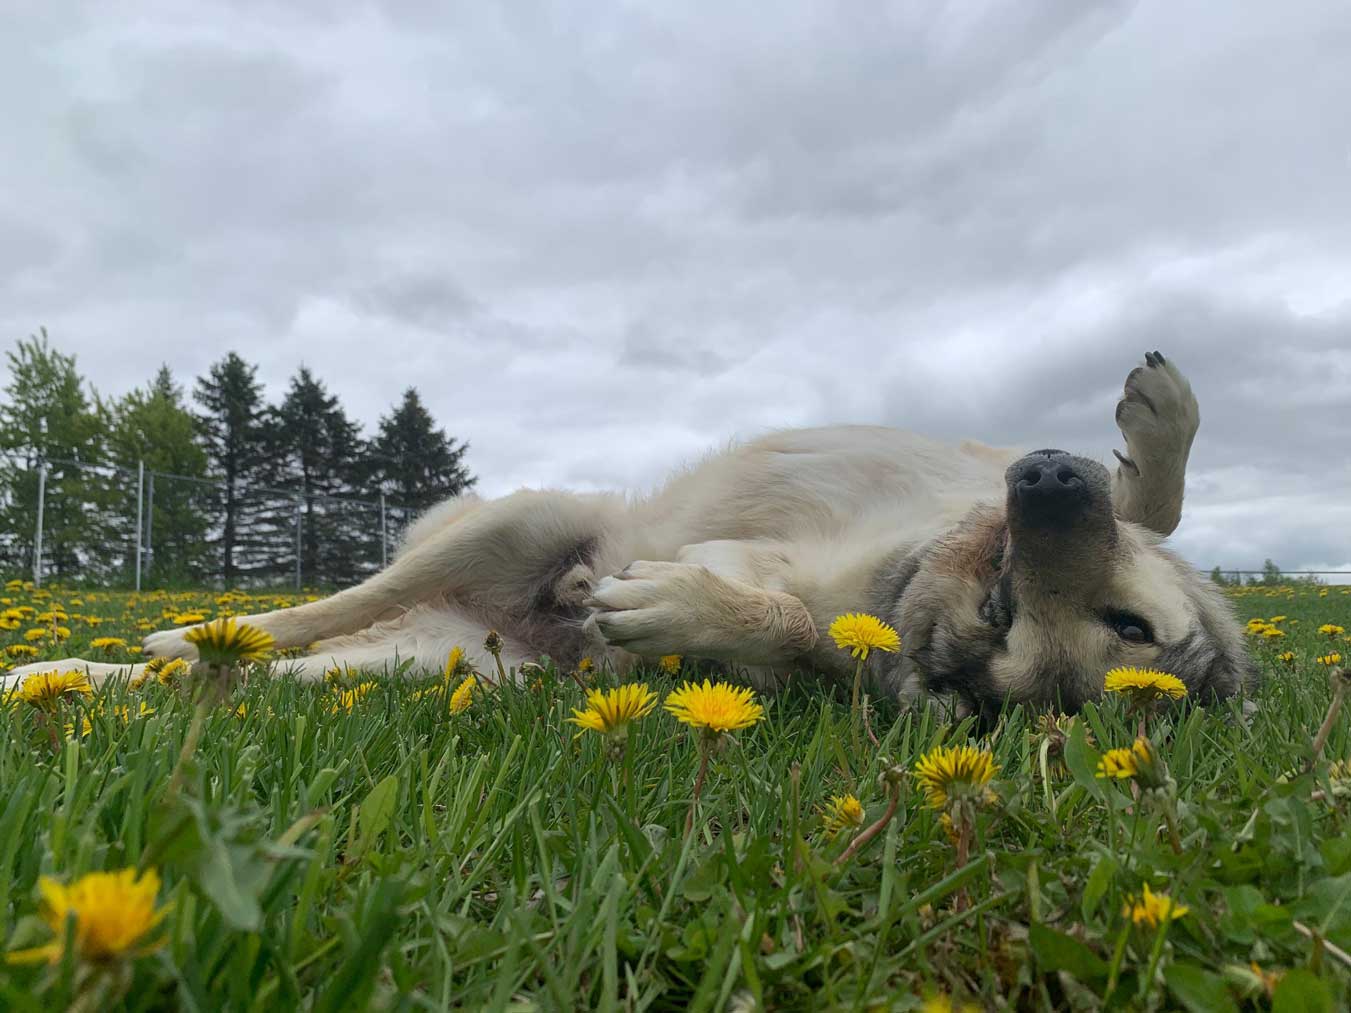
(1011, 577)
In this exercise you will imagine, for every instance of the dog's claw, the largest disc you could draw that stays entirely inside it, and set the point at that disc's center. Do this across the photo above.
(1127, 462)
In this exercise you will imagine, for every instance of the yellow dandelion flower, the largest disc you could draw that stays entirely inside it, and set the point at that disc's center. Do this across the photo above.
(349, 698)
(610, 711)
(228, 642)
(453, 662)
(21, 651)
(1118, 763)
(670, 664)
(943, 1004)
(1144, 685)
(859, 633)
(37, 633)
(1152, 909)
(1271, 633)
(1286, 657)
(948, 773)
(107, 644)
(185, 618)
(841, 813)
(113, 913)
(167, 671)
(1276, 619)
(60, 633)
(45, 689)
(586, 666)
(1329, 659)
(714, 707)
(463, 695)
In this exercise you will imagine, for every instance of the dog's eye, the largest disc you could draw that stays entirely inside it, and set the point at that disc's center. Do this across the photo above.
(1130, 628)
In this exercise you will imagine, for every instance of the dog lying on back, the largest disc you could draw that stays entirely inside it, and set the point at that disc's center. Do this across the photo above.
(1011, 577)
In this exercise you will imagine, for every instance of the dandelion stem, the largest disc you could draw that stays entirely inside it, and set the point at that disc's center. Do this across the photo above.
(1339, 683)
(854, 721)
(704, 750)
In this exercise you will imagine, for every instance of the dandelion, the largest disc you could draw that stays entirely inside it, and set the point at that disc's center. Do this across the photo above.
(21, 651)
(1152, 909)
(454, 661)
(714, 707)
(953, 773)
(107, 644)
(1329, 659)
(186, 618)
(1286, 657)
(1271, 633)
(670, 664)
(493, 644)
(167, 671)
(349, 698)
(1143, 686)
(1328, 629)
(37, 633)
(859, 633)
(841, 813)
(609, 712)
(44, 690)
(113, 913)
(1276, 619)
(227, 642)
(463, 696)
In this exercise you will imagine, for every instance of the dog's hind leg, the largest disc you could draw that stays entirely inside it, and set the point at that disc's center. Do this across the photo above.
(96, 671)
(1159, 416)
(530, 552)
(418, 643)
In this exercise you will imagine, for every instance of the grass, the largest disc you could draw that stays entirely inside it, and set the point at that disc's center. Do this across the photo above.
(397, 857)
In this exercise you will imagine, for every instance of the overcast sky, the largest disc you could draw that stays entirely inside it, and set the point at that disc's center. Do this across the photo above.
(601, 238)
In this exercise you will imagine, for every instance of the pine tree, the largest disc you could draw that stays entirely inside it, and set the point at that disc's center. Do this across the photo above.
(316, 453)
(153, 426)
(48, 419)
(414, 463)
(233, 433)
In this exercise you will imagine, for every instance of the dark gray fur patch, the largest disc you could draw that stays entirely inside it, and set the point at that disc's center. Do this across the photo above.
(894, 576)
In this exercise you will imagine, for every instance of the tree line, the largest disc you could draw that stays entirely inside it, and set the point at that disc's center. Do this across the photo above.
(240, 489)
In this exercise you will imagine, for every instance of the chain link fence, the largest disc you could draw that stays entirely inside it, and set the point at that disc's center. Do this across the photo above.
(103, 524)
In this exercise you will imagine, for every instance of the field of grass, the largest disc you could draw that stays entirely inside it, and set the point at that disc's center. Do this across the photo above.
(324, 852)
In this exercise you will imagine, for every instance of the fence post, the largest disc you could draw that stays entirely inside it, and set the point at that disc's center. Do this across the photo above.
(384, 534)
(140, 517)
(149, 521)
(298, 540)
(37, 537)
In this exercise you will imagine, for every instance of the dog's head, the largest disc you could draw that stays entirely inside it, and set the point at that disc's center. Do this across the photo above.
(1036, 602)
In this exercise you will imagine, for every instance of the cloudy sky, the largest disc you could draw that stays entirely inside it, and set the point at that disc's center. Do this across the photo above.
(601, 238)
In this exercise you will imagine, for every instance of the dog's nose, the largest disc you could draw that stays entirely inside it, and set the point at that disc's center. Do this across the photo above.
(1047, 486)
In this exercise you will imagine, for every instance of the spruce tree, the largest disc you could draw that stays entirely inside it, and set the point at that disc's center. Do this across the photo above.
(316, 449)
(152, 425)
(232, 430)
(48, 419)
(413, 462)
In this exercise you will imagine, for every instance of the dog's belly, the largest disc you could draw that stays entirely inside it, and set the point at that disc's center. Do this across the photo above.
(815, 482)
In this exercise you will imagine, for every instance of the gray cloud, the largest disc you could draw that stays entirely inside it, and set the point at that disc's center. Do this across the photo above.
(603, 240)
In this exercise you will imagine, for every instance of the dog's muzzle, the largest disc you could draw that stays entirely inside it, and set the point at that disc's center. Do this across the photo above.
(1050, 488)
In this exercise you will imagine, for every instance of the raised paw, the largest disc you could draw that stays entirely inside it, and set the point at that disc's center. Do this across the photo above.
(1158, 416)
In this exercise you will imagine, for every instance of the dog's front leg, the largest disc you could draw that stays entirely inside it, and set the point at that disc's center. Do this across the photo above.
(1159, 416)
(655, 608)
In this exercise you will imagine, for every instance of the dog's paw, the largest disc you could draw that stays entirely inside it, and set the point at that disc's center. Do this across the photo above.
(652, 608)
(170, 644)
(1157, 414)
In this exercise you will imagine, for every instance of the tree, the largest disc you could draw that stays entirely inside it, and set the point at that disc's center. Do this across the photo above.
(415, 463)
(48, 419)
(1271, 574)
(152, 425)
(317, 452)
(233, 433)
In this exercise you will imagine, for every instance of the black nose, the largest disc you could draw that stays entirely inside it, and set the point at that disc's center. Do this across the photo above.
(1047, 487)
